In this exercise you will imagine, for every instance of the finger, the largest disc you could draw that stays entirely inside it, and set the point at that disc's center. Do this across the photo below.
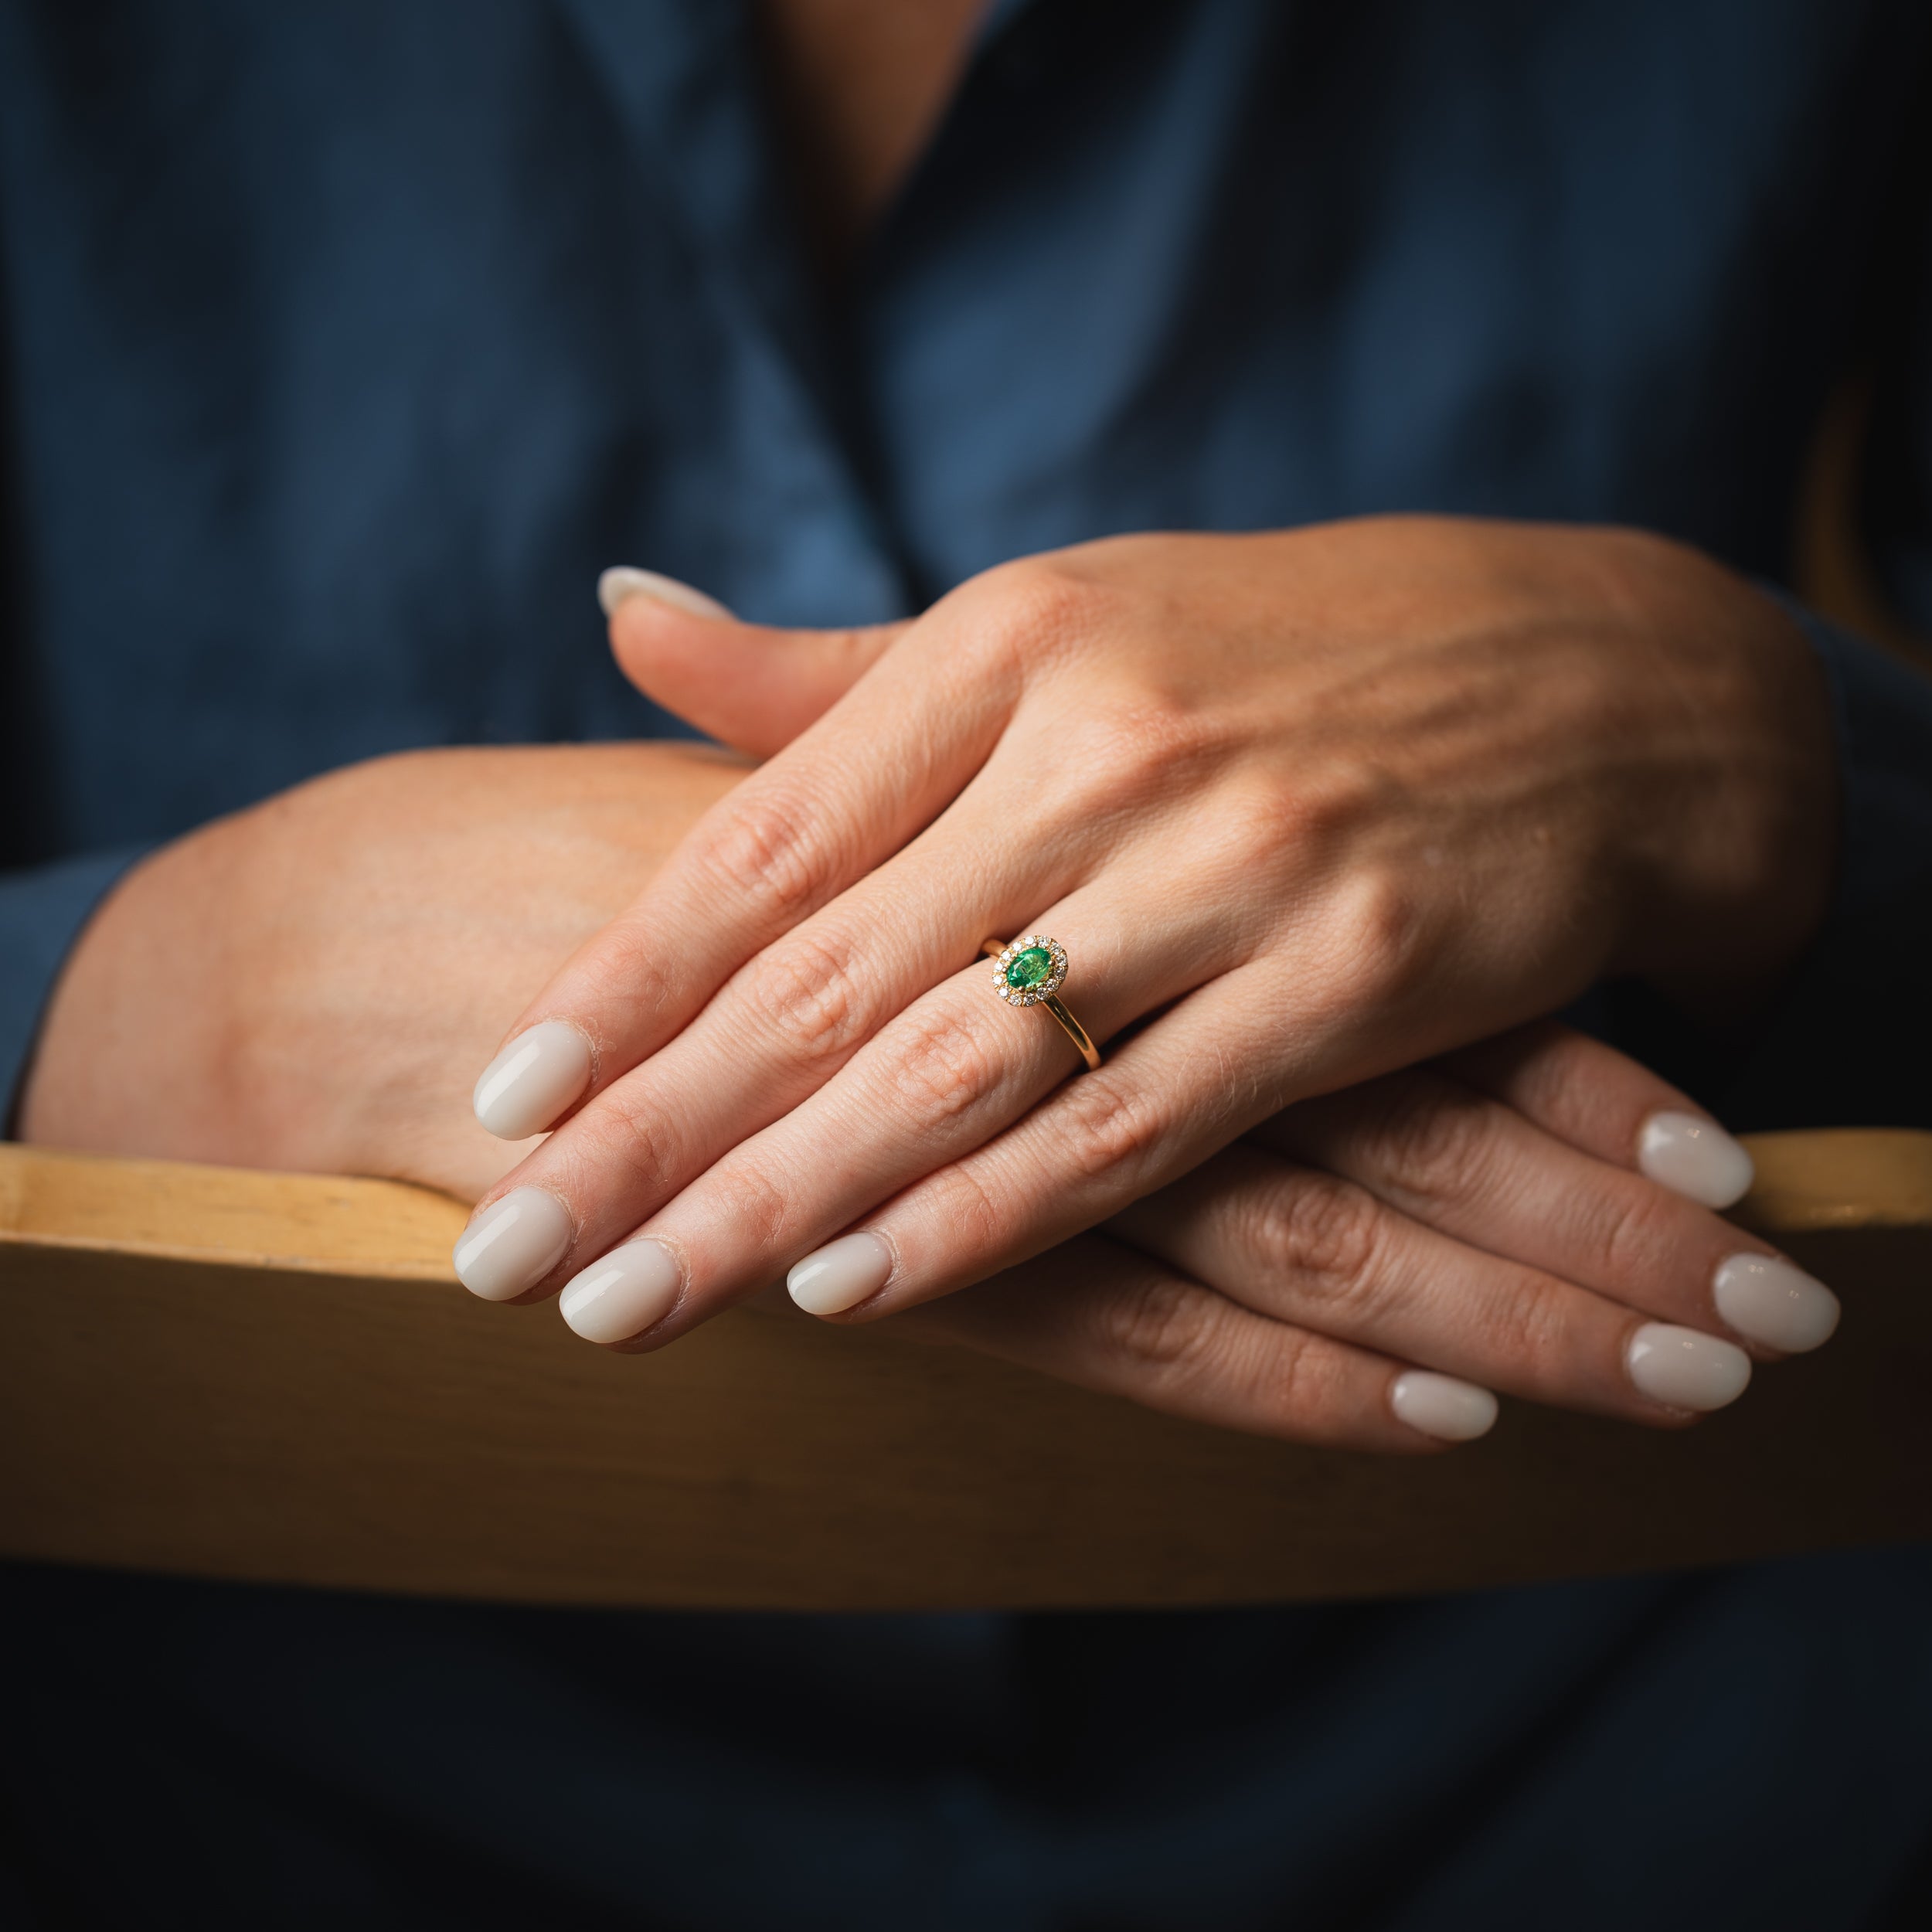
(1165, 1099)
(1106, 1317)
(828, 984)
(790, 1019)
(957, 1066)
(749, 685)
(873, 772)
(1311, 1249)
(787, 1023)
(1603, 1102)
(782, 1027)
(1470, 1167)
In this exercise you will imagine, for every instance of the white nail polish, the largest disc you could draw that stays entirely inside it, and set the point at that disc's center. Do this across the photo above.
(1764, 1296)
(513, 1244)
(1443, 1407)
(1696, 1157)
(615, 585)
(633, 1288)
(840, 1275)
(533, 1080)
(1685, 1368)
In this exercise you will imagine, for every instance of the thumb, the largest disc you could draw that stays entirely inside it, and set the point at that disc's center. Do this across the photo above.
(749, 685)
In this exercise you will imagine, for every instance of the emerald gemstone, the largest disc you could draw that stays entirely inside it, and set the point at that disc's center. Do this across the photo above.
(1029, 968)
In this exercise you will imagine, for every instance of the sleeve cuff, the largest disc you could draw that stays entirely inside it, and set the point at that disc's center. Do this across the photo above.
(1847, 1044)
(1882, 711)
(41, 912)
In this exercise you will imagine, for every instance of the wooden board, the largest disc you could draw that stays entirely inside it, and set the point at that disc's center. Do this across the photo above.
(244, 1375)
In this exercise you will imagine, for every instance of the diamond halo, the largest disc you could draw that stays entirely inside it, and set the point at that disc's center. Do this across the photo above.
(1041, 989)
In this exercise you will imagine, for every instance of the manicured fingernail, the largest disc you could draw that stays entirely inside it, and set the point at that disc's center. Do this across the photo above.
(533, 1080)
(513, 1244)
(1765, 1297)
(841, 1275)
(631, 1289)
(1442, 1406)
(1696, 1157)
(1685, 1369)
(618, 584)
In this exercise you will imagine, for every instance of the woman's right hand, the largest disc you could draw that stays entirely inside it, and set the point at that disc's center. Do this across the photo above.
(291, 987)
(1532, 1216)
(298, 986)
(1528, 1216)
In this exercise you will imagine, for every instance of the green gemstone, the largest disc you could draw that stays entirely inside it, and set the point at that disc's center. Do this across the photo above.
(1029, 968)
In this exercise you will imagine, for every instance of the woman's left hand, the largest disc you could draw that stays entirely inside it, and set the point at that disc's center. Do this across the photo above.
(1364, 1270)
(1301, 808)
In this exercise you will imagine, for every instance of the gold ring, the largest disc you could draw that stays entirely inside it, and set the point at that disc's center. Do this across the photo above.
(1030, 972)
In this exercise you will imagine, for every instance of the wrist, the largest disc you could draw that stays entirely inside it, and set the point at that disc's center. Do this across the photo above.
(124, 1021)
(1734, 822)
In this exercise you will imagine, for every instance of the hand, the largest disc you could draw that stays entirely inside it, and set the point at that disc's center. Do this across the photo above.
(296, 987)
(283, 989)
(1479, 1218)
(1303, 809)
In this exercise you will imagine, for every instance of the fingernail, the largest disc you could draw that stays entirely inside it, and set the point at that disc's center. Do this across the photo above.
(533, 1080)
(513, 1244)
(1696, 1157)
(1685, 1369)
(615, 585)
(1765, 1297)
(631, 1289)
(1443, 1406)
(841, 1275)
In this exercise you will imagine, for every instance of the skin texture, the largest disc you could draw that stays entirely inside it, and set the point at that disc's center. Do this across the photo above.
(1476, 1217)
(299, 986)
(1304, 808)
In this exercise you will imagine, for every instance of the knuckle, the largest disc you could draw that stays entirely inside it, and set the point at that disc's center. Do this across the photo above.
(1159, 1329)
(1624, 1234)
(752, 1204)
(1324, 1233)
(1048, 607)
(1106, 1128)
(1306, 1394)
(975, 1217)
(1169, 1338)
(1527, 1328)
(1431, 1139)
(620, 1146)
(773, 849)
(625, 974)
(809, 993)
(939, 1065)
(1388, 936)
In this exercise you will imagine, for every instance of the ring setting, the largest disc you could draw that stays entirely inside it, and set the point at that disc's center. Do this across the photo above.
(1030, 970)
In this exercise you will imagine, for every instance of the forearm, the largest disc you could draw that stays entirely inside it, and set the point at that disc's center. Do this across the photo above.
(300, 985)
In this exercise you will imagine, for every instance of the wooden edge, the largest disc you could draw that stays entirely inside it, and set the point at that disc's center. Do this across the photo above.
(1838, 1178)
(1817, 1178)
(233, 1217)
(293, 1414)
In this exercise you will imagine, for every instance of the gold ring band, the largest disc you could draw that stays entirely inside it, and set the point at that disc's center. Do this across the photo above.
(1030, 972)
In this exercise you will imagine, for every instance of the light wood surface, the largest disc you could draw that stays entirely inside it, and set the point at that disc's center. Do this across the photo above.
(276, 1377)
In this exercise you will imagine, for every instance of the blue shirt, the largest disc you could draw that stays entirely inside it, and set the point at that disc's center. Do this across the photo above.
(343, 343)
